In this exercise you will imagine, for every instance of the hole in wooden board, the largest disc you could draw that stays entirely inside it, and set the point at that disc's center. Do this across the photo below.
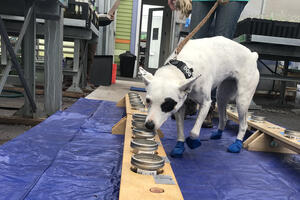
(157, 190)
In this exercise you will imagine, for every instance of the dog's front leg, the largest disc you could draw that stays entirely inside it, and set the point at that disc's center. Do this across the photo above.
(193, 140)
(179, 147)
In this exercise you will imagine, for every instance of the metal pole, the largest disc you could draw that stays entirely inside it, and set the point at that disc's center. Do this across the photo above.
(283, 83)
(16, 65)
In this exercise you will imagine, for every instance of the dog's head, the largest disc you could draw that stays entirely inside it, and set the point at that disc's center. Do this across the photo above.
(164, 97)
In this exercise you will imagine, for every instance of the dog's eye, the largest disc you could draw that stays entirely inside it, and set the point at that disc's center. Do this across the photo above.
(168, 105)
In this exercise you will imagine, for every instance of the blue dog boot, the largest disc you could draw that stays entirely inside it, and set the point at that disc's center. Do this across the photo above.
(178, 150)
(216, 135)
(193, 143)
(236, 146)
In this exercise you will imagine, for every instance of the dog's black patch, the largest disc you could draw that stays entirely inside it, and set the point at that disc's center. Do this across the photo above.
(168, 105)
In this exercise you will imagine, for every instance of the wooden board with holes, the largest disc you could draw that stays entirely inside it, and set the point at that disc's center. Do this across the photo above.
(124, 102)
(136, 186)
(270, 129)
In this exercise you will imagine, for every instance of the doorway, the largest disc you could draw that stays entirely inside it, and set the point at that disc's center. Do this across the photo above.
(154, 38)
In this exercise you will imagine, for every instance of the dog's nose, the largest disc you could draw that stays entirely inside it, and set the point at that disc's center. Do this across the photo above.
(149, 125)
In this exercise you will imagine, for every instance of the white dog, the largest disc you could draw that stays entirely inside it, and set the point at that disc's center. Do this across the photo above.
(201, 66)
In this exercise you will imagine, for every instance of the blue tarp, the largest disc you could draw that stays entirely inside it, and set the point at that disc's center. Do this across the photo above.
(72, 155)
(209, 172)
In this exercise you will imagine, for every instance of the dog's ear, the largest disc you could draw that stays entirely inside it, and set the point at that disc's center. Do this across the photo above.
(147, 77)
(187, 86)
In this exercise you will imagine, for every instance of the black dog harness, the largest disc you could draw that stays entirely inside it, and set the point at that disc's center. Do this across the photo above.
(188, 72)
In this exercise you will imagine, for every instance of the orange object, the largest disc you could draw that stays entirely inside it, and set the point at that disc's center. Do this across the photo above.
(122, 41)
(114, 74)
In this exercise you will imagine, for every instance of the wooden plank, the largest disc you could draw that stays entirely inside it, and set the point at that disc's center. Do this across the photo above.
(41, 92)
(135, 186)
(262, 143)
(272, 130)
(160, 133)
(119, 128)
(251, 138)
(130, 110)
(19, 120)
(121, 103)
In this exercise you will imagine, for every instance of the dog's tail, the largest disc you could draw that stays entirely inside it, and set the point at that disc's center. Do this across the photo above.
(255, 55)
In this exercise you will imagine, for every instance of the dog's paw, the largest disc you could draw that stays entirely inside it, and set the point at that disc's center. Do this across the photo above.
(193, 143)
(178, 150)
(216, 135)
(235, 147)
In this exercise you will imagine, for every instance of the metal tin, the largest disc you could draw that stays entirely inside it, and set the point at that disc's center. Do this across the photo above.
(142, 133)
(250, 113)
(147, 161)
(133, 94)
(135, 98)
(136, 101)
(257, 118)
(137, 104)
(139, 120)
(144, 145)
(139, 116)
(138, 107)
(292, 134)
(138, 124)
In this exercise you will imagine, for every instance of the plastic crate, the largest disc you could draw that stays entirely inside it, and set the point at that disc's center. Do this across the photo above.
(82, 10)
(79, 10)
(268, 28)
(285, 29)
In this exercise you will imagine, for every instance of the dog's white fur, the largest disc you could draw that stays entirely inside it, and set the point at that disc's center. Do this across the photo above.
(216, 62)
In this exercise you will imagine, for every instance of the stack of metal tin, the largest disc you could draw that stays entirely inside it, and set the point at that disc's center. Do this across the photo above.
(257, 119)
(292, 134)
(136, 101)
(145, 159)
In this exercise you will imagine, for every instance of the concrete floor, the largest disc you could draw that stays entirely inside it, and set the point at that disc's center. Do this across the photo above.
(109, 93)
(281, 115)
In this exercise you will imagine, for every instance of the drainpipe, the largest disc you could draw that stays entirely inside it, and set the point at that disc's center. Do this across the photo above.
(135, 27)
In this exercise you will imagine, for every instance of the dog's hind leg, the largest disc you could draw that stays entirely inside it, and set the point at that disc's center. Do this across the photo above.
(226, 91)
(245, 92)
(178, 150)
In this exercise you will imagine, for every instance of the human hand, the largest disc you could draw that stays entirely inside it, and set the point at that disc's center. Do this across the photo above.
(223, 2)
(172, 4)
(112, 17)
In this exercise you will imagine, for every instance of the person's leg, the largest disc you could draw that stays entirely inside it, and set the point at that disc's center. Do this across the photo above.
(227, 17)
(224, 25)
(199, 11)
(92, 47)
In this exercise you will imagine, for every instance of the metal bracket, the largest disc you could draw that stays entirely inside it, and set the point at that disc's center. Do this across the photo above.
(164, 179)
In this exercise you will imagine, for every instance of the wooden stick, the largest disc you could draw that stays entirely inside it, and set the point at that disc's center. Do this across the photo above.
(119, 128)
(20, 120)
(196, 29)
(113, 9)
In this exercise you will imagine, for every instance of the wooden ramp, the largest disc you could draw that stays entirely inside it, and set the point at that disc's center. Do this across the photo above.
(268, 137)
(136, 186)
